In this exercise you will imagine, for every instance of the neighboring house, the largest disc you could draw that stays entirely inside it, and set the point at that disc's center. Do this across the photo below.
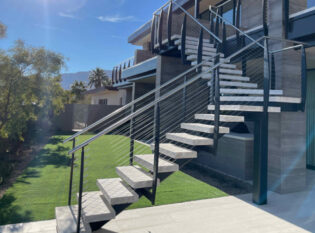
(106, 95)
(227, 85)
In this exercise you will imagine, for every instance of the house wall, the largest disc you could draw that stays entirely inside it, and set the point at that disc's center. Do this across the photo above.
(113, 97)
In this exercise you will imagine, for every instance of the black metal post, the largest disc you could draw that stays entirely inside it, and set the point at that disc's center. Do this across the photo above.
(184, 100)
(224, 38)
(200, 47)
(156, 151)
(234, 12)
(160, 31)
(238, 21)
(132, 122)
(80, 191)
(244, 59)
(273, 72)
(169, 23)
(71, 174)
(153, 34)
(286, 13)
(216, 131)
(120, 73)
(116, 75)
(113, 75)
(197, 8)
(303, 78)
(217, 26)
(211, 26)
(183, 40)
(260, 176)
(265, 17)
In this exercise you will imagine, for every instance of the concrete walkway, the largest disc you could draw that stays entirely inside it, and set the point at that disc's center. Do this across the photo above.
(284, 213)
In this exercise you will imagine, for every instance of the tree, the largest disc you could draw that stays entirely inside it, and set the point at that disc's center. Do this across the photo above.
(30, 90)
(77, 89)
(98, 78)
(3, 30)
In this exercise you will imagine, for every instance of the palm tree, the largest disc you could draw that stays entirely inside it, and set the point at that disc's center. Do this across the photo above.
(98, 78)
(77, 89)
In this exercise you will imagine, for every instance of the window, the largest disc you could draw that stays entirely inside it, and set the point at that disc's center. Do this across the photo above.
(102, 101)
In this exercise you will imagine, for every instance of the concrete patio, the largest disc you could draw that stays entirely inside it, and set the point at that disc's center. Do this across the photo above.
(284, 213)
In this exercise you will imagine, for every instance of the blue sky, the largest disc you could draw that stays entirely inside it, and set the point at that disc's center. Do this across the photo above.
(89, 33)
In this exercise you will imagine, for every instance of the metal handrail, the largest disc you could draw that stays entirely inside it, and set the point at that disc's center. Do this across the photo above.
(134, 102)
(237, 29)
(139, 111)
(223, 4)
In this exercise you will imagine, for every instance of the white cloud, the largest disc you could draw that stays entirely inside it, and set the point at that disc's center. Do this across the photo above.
(116, 18)
(67, 15)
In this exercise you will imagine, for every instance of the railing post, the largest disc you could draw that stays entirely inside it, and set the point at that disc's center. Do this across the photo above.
(216, 131)
(80, 191)
(153, 34)
(197, 8)
(113, 75)
(116, 75)
(200, 47)
(260, 174)
(120, 73)
(265, 17)
(304, 79)
(286, 13)
(184, 100)
(211, 26)
(169, 23)
(183, 40)
(131, 131)
(217, 26)
(71, 173)
(224, 38)
(238, 21)
(273, 73)
(234, 12)
(244, 59)
(156, 150)
(160, 27)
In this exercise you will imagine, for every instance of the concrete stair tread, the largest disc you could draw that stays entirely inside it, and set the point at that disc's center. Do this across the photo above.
(94, 207)
(195, 47)
(224, 71)
(227, 77)
(210, 64)
(244, 108)
(204, 53)
(243, 91)
(238, 84)
(135, 177)
(190, 139)
(176, 152)
(116, 192)
(223, 118)
(204, 58)
(203, 128)
(66, 220)
(277, 99)
(193, 43)
(147, 160)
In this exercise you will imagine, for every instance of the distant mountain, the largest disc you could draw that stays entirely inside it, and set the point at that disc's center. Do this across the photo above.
(69, 78)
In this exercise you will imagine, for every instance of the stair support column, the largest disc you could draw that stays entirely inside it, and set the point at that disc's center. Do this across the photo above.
(131, 131)
(71, 174)
(156, 150)
(80, 191)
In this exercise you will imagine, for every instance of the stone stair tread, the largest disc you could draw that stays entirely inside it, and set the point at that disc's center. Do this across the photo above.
(278, 99)
(190, 139)
(195, 47)
(116, 192)
(176, 152)
(66, 220)
(223, 118)
(94, 207)
(205, 53)
(238, 84)
(249, 91)
(204, 58)
(227, 77)
(244, 108)
(147, 160)
(135, 177)
(203, 128)
(224, 71)
(210, 64)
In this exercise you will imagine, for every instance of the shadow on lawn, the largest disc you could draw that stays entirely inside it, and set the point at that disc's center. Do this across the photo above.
(11, 213)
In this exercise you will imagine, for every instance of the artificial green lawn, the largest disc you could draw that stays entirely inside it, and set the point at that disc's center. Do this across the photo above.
(44, 184)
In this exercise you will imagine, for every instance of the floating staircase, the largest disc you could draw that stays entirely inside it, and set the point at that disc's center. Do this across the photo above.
(238, 96)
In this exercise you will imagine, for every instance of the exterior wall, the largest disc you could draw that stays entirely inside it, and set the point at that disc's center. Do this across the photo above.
(234, 156)
(113, 97)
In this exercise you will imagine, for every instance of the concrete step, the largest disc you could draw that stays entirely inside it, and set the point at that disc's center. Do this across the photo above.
(189, 139)
(227, 77)
(204, 58)
(147, 161)
(176, 152)
(276, 99)
(223, 118)
(204, 53)
(195, 48)
(135, 177)
(249, 91)
(203, 128)
(244, 108)
(237, 84)
(116, 192)
(66, 220)
(94, 207)
(225, 71)
(210, 64)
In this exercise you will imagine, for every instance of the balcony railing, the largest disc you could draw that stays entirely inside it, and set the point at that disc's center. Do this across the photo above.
(117, 70)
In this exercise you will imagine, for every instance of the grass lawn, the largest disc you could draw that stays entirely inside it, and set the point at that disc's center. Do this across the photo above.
(44, 184)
